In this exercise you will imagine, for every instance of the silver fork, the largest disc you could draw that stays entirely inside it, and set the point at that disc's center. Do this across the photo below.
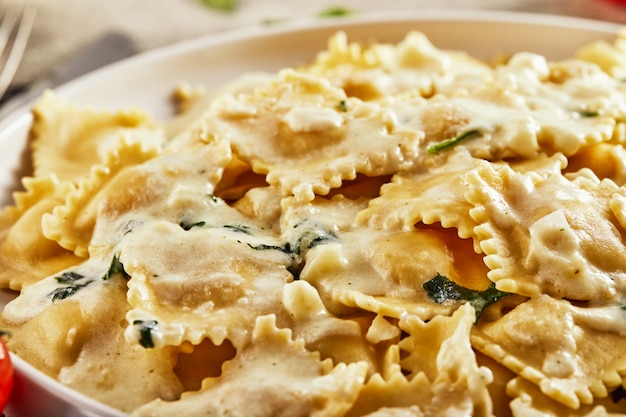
(15, 27)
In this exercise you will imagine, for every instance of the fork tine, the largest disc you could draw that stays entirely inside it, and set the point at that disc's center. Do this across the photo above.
(9, 17)
(15, 34)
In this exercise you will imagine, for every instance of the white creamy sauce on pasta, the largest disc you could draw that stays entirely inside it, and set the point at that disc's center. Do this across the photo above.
(389, 229)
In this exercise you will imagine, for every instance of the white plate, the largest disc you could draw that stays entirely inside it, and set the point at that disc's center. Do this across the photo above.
(147, 81)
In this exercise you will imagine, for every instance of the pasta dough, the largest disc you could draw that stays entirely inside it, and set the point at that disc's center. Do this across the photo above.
(389, 230)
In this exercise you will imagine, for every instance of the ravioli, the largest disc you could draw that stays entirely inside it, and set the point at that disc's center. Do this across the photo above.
(387, 230)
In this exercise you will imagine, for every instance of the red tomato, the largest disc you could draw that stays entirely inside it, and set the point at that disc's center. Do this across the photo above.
(6, 375)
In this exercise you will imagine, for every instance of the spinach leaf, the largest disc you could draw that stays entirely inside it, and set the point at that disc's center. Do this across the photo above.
(239, 228)
(146, 327)
(69, 277)
(448, 143)
(62, 293)
(587, 113)
(72, 283)
(308, 236)
(115, 268)
(441, 289)
(312, 236)
(187, 225)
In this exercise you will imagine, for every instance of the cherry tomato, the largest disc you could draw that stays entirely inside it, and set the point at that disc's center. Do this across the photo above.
(6, 375)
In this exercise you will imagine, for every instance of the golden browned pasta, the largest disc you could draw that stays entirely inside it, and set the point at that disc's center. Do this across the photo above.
(26, 254)
(68, 140)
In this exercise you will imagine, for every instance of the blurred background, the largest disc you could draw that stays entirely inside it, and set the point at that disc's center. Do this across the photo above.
(64, 27)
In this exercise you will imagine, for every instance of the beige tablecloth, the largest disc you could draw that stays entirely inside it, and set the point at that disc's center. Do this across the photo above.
(63, 27)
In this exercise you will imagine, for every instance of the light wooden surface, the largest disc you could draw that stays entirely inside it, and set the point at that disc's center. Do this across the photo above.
(63, 27)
